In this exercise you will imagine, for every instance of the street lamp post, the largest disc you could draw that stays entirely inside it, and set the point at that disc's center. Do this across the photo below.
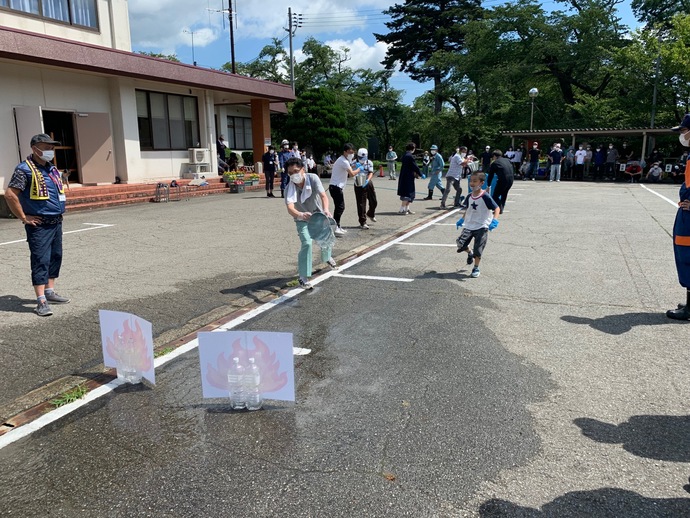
(192, 33)
(533, 94)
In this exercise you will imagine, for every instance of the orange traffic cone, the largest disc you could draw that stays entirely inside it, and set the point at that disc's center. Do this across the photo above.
(381, 171)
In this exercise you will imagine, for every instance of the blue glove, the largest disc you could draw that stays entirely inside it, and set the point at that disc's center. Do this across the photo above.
(423, 177)
(460, 222)
(493, 224)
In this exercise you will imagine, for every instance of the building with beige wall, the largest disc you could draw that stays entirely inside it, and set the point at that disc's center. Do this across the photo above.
(67, 69)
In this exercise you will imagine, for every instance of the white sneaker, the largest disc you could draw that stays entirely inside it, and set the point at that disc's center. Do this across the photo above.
(331, 262)
(401, 211)
(339, 231)
(304, 283)
(372, 219)
(344, 231)
(364, 227)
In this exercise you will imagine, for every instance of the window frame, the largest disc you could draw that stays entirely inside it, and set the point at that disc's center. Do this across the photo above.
(190, 140)
(240, 130)
(41, 16)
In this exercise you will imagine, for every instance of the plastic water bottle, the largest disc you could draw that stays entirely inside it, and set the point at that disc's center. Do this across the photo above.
(236, 375)
(253, 386)
(126, 369)
(128, 374)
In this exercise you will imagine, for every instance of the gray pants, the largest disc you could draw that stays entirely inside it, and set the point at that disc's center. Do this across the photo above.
(481, 236)
(391, 169)
(458, 190)
(555, 173)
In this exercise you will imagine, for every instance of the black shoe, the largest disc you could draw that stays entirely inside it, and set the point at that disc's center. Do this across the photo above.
(470, 258)
(428, 198)
(682, 313)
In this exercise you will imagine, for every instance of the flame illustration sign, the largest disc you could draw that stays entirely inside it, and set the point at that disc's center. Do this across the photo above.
(272, 353)
(127, 339)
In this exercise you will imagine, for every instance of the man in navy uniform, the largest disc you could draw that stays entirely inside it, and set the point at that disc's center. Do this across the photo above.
(36, 196)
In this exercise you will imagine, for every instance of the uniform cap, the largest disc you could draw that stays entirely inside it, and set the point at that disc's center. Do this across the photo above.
(434, 147)
(42, 138)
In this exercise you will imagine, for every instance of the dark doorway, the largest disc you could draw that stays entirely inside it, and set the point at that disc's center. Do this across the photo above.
(59, 126)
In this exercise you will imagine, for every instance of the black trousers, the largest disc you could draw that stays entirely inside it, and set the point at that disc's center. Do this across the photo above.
(270, 176)
(362, 196)
(501, 192)
(338, 202)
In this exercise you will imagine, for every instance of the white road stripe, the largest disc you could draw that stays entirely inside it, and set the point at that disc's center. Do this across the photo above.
(95, 226)
(426, 244)
(675, 204)
(374, 278)
(52, 416)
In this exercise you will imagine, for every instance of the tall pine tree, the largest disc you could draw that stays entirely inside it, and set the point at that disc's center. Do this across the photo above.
(421, 30)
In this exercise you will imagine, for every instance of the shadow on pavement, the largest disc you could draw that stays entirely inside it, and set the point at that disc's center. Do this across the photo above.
(599, 502)
(661, 437)
(257, 290)
(16, 304)
(619, 324)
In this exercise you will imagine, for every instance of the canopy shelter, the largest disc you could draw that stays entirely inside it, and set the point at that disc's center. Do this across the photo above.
(585, 133)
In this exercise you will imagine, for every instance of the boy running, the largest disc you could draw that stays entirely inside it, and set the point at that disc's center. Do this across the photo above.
(479, 216)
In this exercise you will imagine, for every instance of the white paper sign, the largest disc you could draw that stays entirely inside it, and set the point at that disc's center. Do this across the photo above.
(272, 353)
(127, 339)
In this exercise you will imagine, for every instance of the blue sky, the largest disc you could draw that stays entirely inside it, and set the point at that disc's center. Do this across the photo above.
(167, 25)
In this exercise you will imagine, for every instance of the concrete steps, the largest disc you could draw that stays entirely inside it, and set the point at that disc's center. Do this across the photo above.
(95, 197)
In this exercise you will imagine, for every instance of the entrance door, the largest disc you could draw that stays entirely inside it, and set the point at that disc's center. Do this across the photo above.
(29, 121)
(94, 148)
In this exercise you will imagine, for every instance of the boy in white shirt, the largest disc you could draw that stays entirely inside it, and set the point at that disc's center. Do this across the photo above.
(479, 217)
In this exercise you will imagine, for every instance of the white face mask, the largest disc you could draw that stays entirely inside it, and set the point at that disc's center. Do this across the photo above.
(433, 151)
(49, 154)
(463, 155)
(296, 178)
(684, 139)
(363, 159)
(350, 156)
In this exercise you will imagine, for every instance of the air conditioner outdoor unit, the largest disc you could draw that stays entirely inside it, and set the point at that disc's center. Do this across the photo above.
(199, 155)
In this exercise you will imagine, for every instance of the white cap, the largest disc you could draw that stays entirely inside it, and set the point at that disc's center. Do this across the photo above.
(362, 152)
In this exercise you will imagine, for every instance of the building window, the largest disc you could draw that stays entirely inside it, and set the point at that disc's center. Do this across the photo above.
(73, 12)
(239, 133)
(167, 121)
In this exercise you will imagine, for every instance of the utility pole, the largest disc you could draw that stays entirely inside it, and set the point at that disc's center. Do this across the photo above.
(232, 33)
(294, 22)
(232, 37)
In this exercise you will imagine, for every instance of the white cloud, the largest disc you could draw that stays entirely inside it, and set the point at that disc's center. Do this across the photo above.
(361, 54)
(159, 24)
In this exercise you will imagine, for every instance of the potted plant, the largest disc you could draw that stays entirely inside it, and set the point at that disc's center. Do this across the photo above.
(231, 176)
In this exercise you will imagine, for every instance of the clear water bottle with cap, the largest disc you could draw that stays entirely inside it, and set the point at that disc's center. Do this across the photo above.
(236, 375)
(253, 386)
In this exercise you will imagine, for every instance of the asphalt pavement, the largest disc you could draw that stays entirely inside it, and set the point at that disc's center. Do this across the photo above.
(552, 385)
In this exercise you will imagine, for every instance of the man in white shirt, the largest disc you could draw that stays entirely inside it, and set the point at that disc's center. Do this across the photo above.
(580, 156)
(342, 170)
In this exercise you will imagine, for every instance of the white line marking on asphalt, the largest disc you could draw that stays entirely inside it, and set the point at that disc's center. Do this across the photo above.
(95, 226)
(425, 244)
(374, 277)
(660, 195)
(52, 416)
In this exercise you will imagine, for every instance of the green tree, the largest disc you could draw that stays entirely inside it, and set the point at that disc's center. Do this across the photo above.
(317, 120)
(420, 29)
(272, 64)
(655, 12)
(169, 57)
